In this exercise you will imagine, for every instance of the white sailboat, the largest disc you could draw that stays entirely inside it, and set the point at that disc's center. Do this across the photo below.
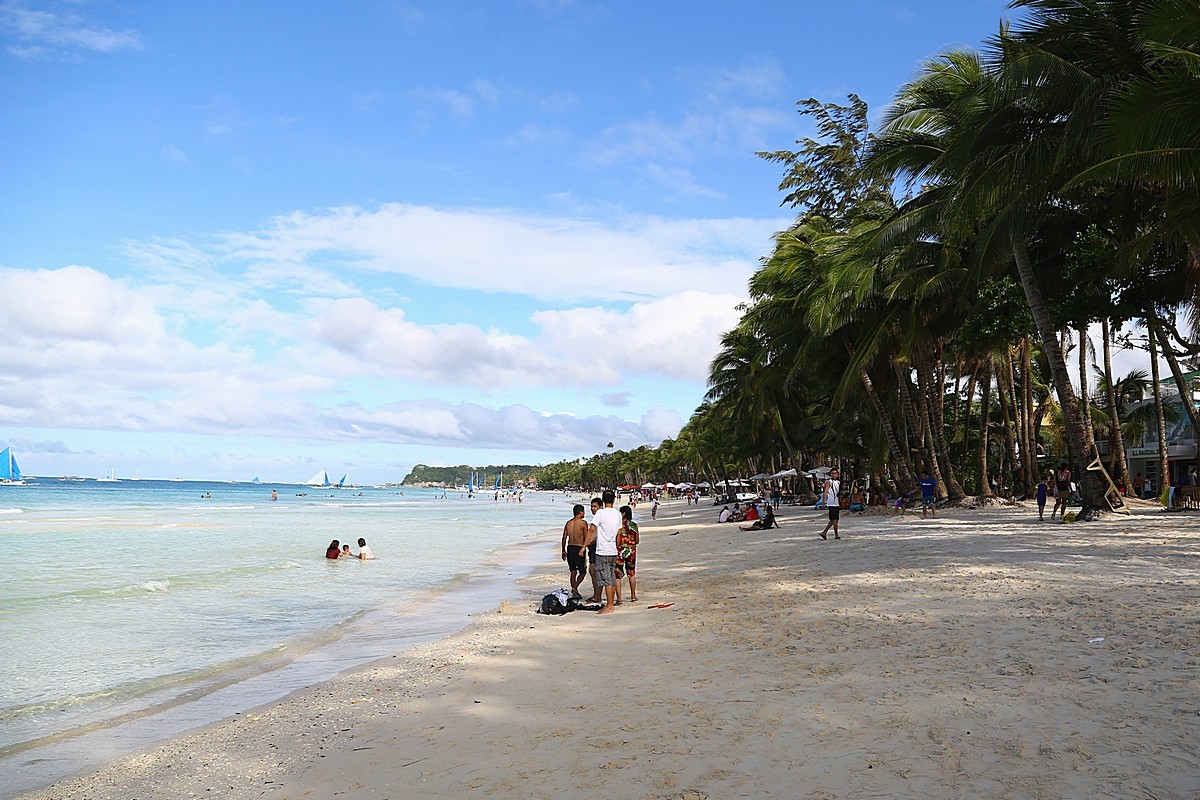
(109, 477)
(320, 479)
(10, 471)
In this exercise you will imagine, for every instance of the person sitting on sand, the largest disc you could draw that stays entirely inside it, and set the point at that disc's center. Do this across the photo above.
(767, 521)
(724, 515)
(751, 513)
(335, 549)
(627, 542)
(364, 552)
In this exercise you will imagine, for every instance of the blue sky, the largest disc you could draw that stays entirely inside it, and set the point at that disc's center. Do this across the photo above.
(243, 239)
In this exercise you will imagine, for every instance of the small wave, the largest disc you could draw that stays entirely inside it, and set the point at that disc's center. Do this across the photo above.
(12, 511)
(146, 586)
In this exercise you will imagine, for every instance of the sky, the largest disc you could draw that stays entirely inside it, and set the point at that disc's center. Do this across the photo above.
(261, 239)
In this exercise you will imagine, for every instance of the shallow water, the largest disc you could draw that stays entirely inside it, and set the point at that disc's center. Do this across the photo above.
(124, 597)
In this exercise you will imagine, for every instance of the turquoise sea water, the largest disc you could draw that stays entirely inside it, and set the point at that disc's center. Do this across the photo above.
(121, 598)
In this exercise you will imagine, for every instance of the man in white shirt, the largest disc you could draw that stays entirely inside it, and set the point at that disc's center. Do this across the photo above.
(829, 493)
(603, 531)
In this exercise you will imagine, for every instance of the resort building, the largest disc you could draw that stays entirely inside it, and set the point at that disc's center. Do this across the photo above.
(1143, 455)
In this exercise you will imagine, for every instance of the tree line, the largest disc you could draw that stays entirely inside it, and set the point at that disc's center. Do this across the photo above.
(930, 306)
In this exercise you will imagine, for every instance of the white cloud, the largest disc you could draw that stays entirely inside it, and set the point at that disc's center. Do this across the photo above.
(174, 154)
(43, 32)
(267, 333)
(661, 423)
(550, 258)
(369, 340)
(460, 105)
(675, 336)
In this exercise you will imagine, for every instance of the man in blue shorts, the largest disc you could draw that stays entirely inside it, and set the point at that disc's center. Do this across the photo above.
(928, 494)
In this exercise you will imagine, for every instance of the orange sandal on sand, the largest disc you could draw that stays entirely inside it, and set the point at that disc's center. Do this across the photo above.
(661, 605)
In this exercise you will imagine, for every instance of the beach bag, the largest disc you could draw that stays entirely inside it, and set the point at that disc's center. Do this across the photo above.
(558, 602)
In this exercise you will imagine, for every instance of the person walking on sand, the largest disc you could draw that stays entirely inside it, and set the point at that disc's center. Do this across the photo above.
(829, 493)
(573, 552)
(627, 542)
(928, 493)
(1062, 490)
(1043, 489)
(606, 524)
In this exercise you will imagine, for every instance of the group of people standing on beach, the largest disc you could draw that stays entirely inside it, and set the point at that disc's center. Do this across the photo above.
(605, 548)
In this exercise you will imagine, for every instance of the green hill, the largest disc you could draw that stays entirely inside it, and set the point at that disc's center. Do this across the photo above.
(449, 477)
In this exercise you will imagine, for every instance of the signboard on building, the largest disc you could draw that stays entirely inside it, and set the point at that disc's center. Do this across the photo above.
(1143, 452)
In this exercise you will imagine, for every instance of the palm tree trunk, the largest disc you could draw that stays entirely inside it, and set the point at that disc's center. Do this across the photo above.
(1032, 420)
(965, 419)
(1116, 441)
(923, 392)
(1165, 465)
(938, 372)
(1091, 483)
(898, 455)
(912, 417)
(1004, 385)
(985, 400)
(1084, 400)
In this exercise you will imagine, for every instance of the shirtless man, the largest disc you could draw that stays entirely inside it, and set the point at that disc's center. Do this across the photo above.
(573, 552)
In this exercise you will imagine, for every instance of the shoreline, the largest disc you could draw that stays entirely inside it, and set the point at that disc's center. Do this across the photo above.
(436, 613)
(978, 653)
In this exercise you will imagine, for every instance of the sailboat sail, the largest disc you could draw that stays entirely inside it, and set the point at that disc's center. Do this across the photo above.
(471, 484)
(320, 479)
(10, 471)
(342, 482)
(496, 488)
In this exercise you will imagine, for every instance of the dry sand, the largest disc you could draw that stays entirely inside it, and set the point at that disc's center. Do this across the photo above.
(981, 655)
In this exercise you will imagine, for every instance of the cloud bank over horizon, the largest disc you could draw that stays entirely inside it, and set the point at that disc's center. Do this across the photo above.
(278, 332)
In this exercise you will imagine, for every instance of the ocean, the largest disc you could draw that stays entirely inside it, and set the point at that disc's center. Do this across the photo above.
(122, 600)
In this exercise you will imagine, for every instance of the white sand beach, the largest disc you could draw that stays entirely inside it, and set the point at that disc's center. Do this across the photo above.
(981, 654)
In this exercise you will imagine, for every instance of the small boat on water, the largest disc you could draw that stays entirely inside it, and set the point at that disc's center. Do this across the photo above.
(320, 479)
(10, 471)
(109, 477)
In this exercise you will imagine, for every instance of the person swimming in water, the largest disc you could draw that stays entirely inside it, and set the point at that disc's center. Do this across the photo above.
(334, 550)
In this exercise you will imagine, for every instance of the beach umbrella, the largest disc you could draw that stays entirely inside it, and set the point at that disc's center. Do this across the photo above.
(647, 485)
(787, 473)
(760, 476)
